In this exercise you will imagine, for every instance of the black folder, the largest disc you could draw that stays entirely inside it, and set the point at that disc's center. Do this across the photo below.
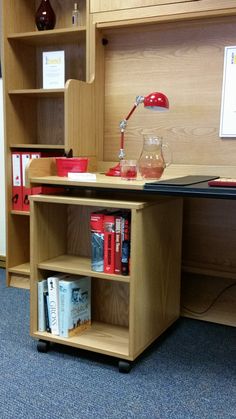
(182, 181)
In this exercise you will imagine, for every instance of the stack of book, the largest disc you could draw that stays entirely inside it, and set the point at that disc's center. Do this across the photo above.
(64, 304)
(110, 241)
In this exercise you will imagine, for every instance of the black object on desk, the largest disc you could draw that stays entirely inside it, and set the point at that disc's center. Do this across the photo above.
(190, 186)
(184, 180)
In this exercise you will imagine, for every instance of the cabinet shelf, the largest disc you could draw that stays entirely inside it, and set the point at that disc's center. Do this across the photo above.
(38, 92)
(15, 212)
(51, 37)
(39, 146)
(101, 337)
(24, 269)
(78, 266)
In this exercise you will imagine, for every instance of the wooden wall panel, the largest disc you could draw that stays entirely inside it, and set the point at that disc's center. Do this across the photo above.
(185, 61)
(209, 298)
(209, 235)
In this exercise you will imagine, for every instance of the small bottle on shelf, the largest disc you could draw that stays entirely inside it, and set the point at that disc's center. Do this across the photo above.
(75, 15)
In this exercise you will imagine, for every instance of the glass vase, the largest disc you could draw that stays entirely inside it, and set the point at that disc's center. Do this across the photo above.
(45, 17)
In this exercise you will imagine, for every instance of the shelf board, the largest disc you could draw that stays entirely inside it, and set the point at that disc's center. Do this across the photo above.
(50, 37)
(39, 146)
(23, 269)
(78, 266)
(15, 212)
(102, 181)
(100, 337)
(38, 93)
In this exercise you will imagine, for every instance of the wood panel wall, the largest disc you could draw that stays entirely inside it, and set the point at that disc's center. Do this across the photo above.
(185, 61)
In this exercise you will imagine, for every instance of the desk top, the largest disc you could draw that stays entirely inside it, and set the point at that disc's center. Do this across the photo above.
(42, 171)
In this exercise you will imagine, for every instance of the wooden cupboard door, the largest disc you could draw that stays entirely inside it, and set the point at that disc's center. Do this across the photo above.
(109, 5)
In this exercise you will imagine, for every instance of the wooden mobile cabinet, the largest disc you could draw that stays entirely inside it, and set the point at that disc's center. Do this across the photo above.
(37, 119)
(128, 312)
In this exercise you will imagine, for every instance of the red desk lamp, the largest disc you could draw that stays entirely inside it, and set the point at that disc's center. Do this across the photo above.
(155, 101)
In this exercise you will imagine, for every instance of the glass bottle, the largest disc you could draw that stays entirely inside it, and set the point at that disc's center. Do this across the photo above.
(151, 162)
(75, 15)
(45, 17)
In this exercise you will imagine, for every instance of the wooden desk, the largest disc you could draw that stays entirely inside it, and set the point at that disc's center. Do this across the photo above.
(208, 235)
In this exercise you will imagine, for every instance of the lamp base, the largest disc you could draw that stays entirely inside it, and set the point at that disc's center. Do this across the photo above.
(114, 171)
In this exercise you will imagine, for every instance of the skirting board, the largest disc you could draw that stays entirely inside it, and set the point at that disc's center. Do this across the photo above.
(2, 261)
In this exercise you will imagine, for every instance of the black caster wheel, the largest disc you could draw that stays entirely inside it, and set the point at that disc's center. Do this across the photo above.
(124, 366)
(42, 346)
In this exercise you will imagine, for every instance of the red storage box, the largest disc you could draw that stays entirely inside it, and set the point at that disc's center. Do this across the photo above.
(71, 164)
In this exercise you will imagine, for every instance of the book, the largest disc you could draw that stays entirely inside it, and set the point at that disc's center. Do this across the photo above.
(42, 289)
(97, 241)
(46, 311)
(117, 261)
(75, 305)
(109, 243)
(17, 191)
(223, 182)
(125, 243)
(53, 303)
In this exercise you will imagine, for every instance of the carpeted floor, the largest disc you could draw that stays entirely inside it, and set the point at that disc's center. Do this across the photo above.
(189, 373)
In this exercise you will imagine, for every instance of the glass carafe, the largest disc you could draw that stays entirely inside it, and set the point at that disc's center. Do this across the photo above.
(151, 162)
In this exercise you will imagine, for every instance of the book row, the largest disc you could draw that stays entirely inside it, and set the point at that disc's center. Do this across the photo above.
(110, 241)
(64, 304)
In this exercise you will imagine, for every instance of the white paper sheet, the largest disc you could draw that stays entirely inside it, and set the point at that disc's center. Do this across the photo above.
(228, 102)
(54, 70)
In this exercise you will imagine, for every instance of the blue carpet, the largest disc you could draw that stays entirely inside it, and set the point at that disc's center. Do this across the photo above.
(189, 373)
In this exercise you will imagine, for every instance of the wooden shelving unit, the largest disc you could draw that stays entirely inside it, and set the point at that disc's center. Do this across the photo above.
(39, 119)
(128, 312)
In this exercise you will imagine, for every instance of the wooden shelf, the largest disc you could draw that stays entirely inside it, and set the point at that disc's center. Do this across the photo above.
(99, 202)
(78, 266)
(19, 276)
(15, 212)
(23, 269)
(38, 92)
(39, 146)
(55, 36)
(102, 181)
(101, 337)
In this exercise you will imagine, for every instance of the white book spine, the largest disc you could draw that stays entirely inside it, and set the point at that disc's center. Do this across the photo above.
(53, 303)
(63, 306)
(42, 287)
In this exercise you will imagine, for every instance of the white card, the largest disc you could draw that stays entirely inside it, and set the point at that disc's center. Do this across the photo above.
(228, 103)
(54, 70)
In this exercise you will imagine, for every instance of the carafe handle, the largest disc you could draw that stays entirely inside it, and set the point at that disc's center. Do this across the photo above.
(167, 154)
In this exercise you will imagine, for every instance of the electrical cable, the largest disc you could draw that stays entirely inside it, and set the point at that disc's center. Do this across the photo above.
(200, 313)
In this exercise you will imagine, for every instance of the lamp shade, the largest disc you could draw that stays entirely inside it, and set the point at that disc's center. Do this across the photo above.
(156, 101)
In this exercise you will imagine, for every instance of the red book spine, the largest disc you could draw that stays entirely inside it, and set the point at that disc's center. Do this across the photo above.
(109, 244)
(118, 220)
(17, 187)
(25, 158)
